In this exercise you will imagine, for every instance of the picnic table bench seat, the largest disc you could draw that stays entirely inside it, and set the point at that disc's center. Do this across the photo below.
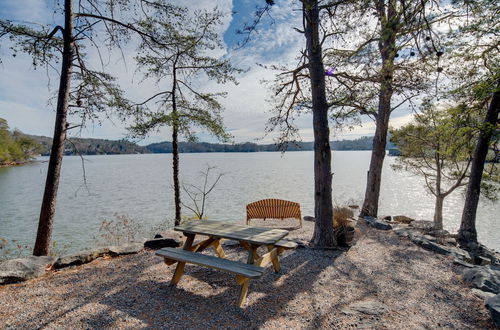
(233, 267)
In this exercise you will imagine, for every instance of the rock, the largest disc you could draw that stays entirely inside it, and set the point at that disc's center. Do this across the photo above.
(440, 233)
(371, 307)
(460, 262)
(483, 278)
(382, 225)
(82, 257)
(482, 294)
(446, 250)
(308, 218)
(387, 218)
(402, 232)
(130, 248)
(493, 305)
(158, 243)
(158, 236)
(430, 238)
(402, 219)
(480, 260)
(415, 236)
(22, 269)
(172, 234)
(423, 225)
(378, 224)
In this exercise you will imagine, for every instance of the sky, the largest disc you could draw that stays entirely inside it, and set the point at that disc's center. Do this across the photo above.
(25, 91)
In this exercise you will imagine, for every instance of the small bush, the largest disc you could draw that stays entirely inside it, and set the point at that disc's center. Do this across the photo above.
(342, 216)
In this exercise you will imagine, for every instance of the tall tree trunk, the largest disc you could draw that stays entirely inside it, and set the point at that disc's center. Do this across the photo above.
(467, 232)
(438, 212)
(372, 193)
(44, 233)
(175, 167)
(323, 228)
(175, 153)
(387, 47)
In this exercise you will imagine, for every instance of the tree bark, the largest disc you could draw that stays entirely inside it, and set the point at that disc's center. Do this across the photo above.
(47, 212)
(387, 47)
(438, 212)
(323, 228)
(175, 152)
(467, 232)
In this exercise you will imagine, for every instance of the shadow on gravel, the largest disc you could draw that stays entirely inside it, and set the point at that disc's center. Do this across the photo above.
(177, 307)
(314, 290)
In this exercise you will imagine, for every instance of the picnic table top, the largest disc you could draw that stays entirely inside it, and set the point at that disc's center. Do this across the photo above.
(234, 231)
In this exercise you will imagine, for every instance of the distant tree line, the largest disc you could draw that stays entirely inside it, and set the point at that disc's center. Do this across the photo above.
(15, 147)
(81, 146)
(75, 146)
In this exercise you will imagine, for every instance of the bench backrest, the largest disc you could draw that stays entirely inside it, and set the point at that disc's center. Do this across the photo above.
(273, 209)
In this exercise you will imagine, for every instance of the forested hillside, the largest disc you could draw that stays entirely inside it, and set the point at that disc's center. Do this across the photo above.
(15, 147)
(75, 146)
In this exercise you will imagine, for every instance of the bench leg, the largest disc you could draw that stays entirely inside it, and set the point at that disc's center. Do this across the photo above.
(243, 293)
(179, 270)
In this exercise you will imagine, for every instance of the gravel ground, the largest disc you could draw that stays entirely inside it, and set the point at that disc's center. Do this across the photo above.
(397, 284)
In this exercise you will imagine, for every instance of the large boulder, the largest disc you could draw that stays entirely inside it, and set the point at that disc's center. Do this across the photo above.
(22, 269)
(81, 257)
(445, 250)
(130, 248)
(378, 224)
(158, 243)
(402, 219)
(493, 305)
(483, 278)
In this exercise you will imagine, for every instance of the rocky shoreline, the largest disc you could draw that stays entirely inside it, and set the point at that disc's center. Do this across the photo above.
(480, 265)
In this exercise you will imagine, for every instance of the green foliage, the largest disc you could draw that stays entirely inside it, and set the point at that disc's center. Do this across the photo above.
(177, 70)
(15, 147)
(438, 147)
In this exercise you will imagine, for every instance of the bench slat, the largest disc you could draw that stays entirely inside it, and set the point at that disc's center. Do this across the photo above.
(233, 267)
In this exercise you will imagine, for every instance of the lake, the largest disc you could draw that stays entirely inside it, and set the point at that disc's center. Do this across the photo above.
(139, 186)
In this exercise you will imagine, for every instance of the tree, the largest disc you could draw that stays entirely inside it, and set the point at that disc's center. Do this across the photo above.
(88, 24)
(16, 147)
(476, 85)
(302, 88)
(436, 147)
(382, 54)
(199, 194)
(182, 104)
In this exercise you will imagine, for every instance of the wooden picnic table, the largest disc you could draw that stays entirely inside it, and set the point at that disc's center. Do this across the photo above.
(250, 238)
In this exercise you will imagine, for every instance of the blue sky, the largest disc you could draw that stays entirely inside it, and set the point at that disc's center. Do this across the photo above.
(24, 91)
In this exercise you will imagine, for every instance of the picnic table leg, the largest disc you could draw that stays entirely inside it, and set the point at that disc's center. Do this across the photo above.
(252, 255)
(218, 249)
(274, 258)
(179, 270)
(243, 292)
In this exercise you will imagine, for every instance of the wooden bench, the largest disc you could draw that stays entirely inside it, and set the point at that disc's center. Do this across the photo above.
(273, 209)
(243, 272)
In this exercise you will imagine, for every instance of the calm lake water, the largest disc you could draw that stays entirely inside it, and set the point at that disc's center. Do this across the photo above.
(139, 186)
